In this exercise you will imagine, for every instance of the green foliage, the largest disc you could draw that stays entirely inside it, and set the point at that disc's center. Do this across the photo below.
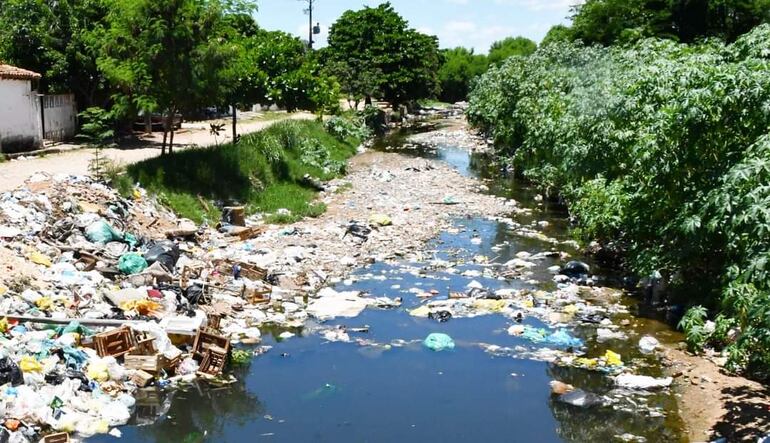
(623, 21)
(240, 357)
(60, 41)
(459, 70)
(501, 50)
(693, 323)
(662, 147)
(345, 128)
(557, 33)
(393, 59)
(97, 132)
(264, 170)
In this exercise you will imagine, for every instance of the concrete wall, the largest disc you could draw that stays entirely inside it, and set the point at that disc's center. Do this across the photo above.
(59, 116)
(20, 125)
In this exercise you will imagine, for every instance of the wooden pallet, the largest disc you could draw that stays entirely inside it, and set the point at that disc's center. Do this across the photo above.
(61, 437)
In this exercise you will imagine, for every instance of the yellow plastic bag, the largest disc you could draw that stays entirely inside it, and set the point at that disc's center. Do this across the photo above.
(98, 371)
(40, 259)
(380, 219)
(612, 358)
(29, 364)
(3, 325)
(44, 303)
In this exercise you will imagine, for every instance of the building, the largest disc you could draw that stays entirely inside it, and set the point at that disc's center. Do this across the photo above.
(20, 116)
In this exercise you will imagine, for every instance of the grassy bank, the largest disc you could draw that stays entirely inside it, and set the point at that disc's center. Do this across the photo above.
(263, 171)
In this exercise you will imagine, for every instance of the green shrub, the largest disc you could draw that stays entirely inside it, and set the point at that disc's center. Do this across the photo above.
(663, 147)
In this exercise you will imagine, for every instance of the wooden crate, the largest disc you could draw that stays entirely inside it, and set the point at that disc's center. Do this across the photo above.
(150, 363)
(255, 296)
(147, 363)
(205, 340)
(60, 437)
(214, 360)
(141, 378)
(115, 343)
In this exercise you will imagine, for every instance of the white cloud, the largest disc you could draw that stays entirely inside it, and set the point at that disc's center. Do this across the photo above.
(457, 2)
(459, 26)
(540, 5)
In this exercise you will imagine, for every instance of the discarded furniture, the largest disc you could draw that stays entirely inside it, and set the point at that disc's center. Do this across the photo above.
(205, 340)
(214, 359)
(60, 437)
(115, 343)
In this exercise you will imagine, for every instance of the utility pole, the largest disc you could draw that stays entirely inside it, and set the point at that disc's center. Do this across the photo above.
(311, 30)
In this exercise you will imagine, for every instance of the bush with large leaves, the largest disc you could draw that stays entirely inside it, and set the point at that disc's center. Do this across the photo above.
(660, 146)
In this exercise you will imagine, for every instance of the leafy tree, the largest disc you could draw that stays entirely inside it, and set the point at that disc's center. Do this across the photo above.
(609, 21)
(510, 46)
(58, 39)
(378, 43)
(557, 33)
(357, 79)
(160, 56)
(459, 69)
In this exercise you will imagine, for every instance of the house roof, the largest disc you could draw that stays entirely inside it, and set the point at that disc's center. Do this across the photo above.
(12, 72)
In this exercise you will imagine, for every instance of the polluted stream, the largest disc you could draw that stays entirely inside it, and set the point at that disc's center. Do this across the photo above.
(372, 378)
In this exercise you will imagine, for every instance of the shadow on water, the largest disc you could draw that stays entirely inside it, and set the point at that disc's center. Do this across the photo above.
(385, 386)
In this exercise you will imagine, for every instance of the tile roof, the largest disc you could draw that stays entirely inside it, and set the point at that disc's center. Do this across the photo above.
(12, 72)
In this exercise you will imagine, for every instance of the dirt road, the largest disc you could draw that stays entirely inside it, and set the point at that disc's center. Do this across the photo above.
(13, 173)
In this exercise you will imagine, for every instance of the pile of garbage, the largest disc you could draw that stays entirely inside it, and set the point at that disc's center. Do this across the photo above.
(107, 297)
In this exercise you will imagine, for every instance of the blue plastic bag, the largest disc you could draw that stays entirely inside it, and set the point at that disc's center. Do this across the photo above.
(438, 342)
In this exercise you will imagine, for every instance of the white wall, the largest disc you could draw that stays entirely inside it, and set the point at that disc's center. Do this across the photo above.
(59, 116)
(20, 128)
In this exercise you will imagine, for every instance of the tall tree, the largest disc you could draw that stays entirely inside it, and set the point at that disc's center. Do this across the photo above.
(508, 47)
(378, 42)
(459, 69)
(58, 39)
(162, 56)
(622, 21)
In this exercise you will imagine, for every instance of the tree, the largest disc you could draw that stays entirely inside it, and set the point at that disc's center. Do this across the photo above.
(378, 43)
(557, 33)
(624, 21)
(160, 55)
(503, 49)
(59, 40)
(459, 69)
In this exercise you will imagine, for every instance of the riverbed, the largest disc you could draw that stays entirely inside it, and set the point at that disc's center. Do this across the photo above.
(370, 378)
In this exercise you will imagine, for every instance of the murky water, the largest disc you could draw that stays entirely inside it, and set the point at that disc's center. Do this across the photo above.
(385, 386)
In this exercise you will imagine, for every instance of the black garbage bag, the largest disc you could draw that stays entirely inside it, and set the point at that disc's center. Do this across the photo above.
(10, 372)
(54, 378)
(440, 316)
(166, 252)
(85, 385)
(194, 294)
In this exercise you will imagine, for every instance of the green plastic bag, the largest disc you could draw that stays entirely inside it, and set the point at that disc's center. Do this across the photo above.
(438, 342)
(131, 263)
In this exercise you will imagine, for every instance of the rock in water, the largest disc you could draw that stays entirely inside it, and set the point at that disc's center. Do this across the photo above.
(576, 268)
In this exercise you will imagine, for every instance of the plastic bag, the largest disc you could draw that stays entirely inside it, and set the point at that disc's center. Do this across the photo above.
(187, 366)
(101, 232)
(165, 252)
(438, 342)
(10, 373)
(613, 359)
(131, 263)
(28, 363)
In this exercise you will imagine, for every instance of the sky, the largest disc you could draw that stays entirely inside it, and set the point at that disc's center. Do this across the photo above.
(471, 23)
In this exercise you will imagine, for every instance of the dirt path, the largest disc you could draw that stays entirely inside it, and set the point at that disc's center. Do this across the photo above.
(75, 162)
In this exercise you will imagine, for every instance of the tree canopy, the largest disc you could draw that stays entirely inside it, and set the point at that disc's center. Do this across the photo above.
(609, 21)
(508, 47)
(397, 62)
(459, 68)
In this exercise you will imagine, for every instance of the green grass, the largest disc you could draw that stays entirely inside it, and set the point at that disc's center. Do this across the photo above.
(263, 172)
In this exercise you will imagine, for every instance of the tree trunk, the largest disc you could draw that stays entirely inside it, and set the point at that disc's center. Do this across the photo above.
(235, 129)
(163, 145)
(147, 122)
(368, 101)
(172, 114)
